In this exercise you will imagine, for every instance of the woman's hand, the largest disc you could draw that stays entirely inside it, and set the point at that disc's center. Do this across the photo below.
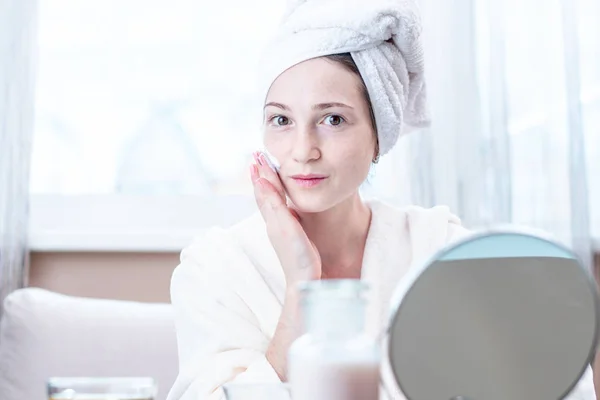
(298, 255)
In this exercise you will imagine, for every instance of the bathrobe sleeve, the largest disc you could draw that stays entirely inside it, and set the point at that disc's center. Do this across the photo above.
(219, 337)
(455, 230)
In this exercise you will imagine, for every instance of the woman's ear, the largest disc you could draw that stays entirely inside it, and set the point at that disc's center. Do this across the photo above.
(376, 152)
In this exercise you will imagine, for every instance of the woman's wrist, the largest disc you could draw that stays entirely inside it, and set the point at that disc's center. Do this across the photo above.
(286, 332)
(290, 312)
(292, 285)
(277, 360)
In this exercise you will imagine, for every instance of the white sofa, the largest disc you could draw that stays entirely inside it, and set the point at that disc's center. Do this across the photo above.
(45, 334)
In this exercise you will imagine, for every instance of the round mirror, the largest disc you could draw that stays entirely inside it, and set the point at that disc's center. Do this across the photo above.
(497, 316)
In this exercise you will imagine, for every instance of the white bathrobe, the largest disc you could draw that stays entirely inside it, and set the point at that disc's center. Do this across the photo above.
(228, 293)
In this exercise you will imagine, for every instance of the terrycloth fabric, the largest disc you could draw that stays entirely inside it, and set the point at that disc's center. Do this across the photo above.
(229, 289)
(384, 39)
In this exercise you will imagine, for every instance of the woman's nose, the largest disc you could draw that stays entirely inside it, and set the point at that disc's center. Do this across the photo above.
(306, 145)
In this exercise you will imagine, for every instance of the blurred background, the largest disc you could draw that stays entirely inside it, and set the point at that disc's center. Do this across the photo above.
(126, 128)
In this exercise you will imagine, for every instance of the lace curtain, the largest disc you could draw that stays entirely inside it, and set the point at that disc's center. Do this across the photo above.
(17, 51)
(514, 89)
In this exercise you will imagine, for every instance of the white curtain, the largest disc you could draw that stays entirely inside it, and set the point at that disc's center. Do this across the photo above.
(514, 89)
(17, 50)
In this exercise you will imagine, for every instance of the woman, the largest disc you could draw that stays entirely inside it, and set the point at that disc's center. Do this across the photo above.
(328, 115)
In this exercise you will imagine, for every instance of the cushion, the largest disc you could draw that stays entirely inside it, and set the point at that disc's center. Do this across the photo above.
(45, 334)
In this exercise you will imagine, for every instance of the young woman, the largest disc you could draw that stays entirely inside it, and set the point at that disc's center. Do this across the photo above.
(328, 115)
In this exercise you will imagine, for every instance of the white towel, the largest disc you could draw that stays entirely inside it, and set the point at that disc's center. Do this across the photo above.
(384, 39)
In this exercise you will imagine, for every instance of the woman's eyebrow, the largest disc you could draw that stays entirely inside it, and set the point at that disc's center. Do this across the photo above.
(278, 105)
(323, 106)
(320, 106)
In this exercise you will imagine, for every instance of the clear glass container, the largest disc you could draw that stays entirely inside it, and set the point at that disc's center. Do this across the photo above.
(334, 359)
(102, 389)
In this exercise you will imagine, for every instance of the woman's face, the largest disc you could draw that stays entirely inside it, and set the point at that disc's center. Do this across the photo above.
(317, 125)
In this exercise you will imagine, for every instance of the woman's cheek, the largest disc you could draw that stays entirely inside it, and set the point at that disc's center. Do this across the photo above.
(277, 146)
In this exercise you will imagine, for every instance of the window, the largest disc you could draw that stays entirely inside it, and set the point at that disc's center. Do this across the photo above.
(140, 105)
(147, 97)
(538, 114)
(589, 34)
(144, 106)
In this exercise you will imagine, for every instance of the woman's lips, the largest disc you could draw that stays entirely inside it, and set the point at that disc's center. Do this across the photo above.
(308, 181)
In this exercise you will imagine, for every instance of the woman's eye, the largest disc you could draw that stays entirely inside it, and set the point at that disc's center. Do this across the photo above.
(334, 120)
(280, 120)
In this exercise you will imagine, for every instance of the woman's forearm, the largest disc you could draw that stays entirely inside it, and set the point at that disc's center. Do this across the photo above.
(286, 332)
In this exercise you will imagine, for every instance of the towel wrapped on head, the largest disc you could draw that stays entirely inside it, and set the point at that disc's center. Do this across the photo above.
(384, 39)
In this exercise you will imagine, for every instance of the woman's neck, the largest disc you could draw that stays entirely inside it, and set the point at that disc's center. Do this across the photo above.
(340, 234)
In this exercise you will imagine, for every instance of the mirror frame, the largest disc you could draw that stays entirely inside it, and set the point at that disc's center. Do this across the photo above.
(406, 284)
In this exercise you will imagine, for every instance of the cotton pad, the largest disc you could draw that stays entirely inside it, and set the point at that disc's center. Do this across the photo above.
(271, 160)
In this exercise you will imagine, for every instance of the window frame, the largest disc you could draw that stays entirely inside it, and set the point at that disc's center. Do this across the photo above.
(124, 223)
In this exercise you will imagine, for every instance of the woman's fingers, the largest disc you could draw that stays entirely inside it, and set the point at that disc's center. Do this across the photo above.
(254, 173)
(267, 198)
(268, 189)
(266, 192)
(268, 173)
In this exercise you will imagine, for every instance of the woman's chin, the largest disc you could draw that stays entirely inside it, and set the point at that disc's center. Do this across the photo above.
(310, 203)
